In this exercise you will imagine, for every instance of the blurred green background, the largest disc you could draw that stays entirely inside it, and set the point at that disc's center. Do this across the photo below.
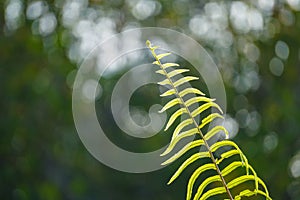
(255, 44)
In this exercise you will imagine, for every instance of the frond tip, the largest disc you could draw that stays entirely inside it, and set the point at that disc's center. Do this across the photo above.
(183, 99)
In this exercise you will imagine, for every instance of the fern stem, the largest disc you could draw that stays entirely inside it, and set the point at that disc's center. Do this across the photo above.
(194, 122)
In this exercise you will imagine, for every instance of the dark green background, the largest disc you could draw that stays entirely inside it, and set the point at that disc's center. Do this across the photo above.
(41, 155)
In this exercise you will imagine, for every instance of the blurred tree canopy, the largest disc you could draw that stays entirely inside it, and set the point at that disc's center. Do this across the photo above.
(255, 44)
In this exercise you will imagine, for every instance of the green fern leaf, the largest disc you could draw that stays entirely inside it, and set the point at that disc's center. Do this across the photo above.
(170, 104)
(174, 117)
(190, 127)
(175, 140)
(190, 91)
(181, 126)
(209, 119)
(189, 161)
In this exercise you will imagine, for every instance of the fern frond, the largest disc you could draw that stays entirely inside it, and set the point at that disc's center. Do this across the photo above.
(226, 149)
(186, 148)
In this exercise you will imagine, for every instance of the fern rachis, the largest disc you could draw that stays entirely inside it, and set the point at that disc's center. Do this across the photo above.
(166, 69)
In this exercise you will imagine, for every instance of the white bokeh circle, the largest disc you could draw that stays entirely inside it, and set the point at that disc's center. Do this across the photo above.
(92, 69)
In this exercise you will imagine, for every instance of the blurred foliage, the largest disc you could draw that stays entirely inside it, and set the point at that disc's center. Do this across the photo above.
(255, 44)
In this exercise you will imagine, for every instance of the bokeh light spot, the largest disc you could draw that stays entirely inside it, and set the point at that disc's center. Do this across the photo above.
(252, 52)
(282, 50)
(276, 66)
(270, 142)
(295, 166)
(294, 4)
(266, 5)
(199, 25)
(254, 122)
(144, 9)
(35, 9)
(71, 12)
(255, 20)
(286, 17)
(243, 118)
(47, 24)
(13, 14)
(231, 126)
(238, 16)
